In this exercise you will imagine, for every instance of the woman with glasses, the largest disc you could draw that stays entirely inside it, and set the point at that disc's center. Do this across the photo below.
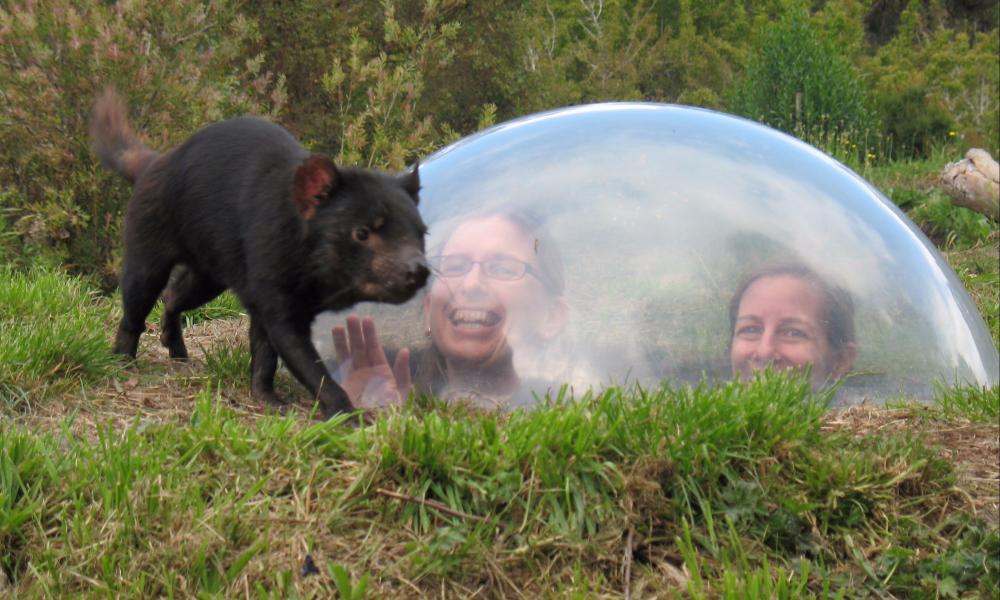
(494, 314)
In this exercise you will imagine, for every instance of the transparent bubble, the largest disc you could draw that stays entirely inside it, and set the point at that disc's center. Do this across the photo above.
(605, 243)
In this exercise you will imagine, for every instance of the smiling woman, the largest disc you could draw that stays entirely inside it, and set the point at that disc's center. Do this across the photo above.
(495, 304)
(787, 317)
(492, 294)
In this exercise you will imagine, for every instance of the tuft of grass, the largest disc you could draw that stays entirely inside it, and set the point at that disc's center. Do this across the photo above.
(29, 467)
(227, 366)
(979, 270)
(950, 226)
(54, 332)
(224, 306)
(740, 580)
(346, 589)
(979, 404)
(912, 185)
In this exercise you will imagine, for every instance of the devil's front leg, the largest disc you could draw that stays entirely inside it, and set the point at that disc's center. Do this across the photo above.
(289, 338)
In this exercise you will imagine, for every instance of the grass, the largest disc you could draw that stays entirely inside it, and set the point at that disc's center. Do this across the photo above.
(54, 332)
(166, 480)
(228, 366)
(225, 306)
(969, 240)
(979, 404)
(947, 225)
(737, 491)
(913, 186)
(979, 269)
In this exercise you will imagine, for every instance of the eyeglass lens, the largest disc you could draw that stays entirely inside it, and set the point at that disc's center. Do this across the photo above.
(501, 268)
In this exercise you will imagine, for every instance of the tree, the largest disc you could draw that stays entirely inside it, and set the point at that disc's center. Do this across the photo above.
(802, 84)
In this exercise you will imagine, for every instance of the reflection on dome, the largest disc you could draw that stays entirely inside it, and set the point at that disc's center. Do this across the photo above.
(609, 243)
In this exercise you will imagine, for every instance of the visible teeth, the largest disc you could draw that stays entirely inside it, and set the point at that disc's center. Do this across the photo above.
(480, 318)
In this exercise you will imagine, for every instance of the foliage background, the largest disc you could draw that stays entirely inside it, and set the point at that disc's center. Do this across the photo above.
(383, 83)
(164, 480)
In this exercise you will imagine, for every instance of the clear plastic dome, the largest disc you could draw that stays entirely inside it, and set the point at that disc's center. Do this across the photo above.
(633, 229)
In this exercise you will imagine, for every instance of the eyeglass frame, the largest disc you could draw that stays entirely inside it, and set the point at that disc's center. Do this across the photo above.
(435, 263)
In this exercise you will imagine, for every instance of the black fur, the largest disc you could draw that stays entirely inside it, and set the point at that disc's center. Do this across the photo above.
(241, 205)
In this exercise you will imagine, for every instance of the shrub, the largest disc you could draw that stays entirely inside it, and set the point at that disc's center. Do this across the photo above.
(374, 95)
(930, 67)
(913, 122)
(181, 64)
(591, 51)
(801, 84)
(357, 77)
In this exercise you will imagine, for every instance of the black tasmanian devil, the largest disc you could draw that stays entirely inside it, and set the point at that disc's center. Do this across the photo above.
(242, 205)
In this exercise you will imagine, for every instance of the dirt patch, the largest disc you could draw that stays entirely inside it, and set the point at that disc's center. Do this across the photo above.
(157, 389)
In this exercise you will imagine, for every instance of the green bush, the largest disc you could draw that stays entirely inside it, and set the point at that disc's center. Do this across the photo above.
(950, 74)
(357, 78)
(181, 64)
(913, 123)
(801, 84)
(384, 87)
(375, 94)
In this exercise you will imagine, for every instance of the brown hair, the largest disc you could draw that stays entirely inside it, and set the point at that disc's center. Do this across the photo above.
(838, 307)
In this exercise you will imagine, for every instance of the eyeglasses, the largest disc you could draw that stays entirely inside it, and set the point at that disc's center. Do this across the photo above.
(501, 268)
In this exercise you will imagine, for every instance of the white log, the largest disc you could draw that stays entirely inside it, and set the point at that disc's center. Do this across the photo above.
(974, 182)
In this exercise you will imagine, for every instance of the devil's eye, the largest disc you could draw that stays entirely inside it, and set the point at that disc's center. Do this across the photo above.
(361, 233)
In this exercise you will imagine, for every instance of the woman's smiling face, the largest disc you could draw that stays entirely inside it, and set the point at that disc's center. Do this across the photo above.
(475, 317)
(780, 322)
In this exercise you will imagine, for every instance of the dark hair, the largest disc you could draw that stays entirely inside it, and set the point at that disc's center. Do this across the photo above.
(838, 307)
(429, 376)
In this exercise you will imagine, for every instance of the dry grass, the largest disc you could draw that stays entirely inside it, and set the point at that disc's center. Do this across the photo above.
(973, 448)
(158, 389)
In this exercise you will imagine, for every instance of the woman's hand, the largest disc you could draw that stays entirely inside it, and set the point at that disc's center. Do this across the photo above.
(363, 368)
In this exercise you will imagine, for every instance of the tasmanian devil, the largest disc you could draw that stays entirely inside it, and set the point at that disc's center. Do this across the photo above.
(242, 205)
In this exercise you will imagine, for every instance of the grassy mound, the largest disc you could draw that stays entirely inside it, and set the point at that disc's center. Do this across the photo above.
(748, 490)
(164, 479)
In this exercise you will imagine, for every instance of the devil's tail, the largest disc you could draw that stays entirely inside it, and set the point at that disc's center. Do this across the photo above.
(115, 143)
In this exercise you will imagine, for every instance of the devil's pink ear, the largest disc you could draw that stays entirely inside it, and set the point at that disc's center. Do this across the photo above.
(411, 182)
(314, 179)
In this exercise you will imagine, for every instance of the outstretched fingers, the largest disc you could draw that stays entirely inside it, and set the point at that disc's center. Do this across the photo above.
(366, 373)
(359, 342)
(356, 342)
(373, 347)
(340, 346)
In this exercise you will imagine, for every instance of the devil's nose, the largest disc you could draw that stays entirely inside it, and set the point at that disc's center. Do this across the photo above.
(417, 276)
